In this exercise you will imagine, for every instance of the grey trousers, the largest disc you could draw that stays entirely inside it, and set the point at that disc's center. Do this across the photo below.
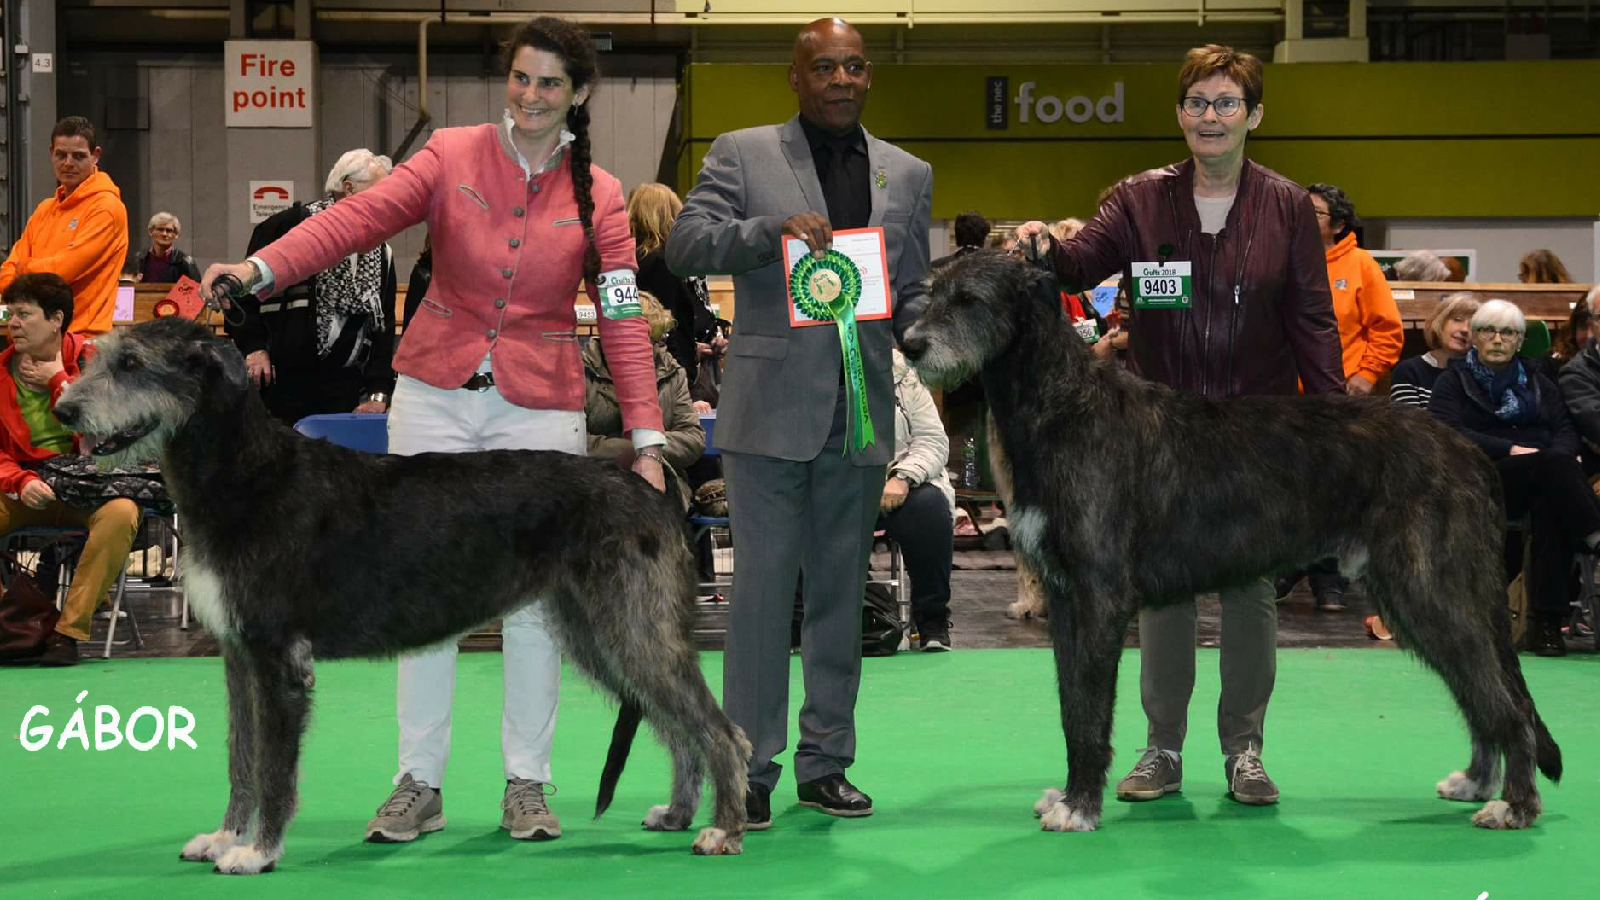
(1249, 667)
(816, 516)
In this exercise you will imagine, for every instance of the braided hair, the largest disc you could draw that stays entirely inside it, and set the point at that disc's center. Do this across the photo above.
(578, 56)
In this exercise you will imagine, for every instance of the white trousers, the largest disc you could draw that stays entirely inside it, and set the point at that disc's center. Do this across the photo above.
(425, 418)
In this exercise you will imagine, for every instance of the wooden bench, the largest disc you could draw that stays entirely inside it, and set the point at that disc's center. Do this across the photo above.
(1551, 303)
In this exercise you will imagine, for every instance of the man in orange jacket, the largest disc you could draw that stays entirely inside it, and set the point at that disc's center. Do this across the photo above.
(1369, 322)
(80, 232)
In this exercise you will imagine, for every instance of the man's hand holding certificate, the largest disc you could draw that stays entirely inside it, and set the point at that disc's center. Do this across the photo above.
(846, 284)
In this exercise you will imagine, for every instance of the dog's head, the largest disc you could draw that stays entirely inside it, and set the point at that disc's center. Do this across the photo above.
(144, 383)
(976, 307)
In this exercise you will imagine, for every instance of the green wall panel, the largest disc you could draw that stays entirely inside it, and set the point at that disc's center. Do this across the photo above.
(1406, 139)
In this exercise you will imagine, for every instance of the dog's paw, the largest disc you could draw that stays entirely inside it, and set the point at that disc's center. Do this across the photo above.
(1025, 608)
(1458, 786)
(245, 860)
(665, 818)
(1062, 817)
(207, 847)
(1051, 798)
(1500, 815)
(716, 842)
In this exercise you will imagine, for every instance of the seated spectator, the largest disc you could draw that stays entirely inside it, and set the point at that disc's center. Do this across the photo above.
(1517, 417)
(1448, 332)
(1580, 382)
(1542, 267)
(326, 344)
(1066, 229)
(710, 345)
(918, 504)
(1079, 307)
(163, 262)
(1420, 265)
(971, 231)
(1569, 343)
(44, 357)
(686, 440)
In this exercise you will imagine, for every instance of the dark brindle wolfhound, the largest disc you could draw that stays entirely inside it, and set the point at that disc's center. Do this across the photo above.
(1129, 494)
(297, 549)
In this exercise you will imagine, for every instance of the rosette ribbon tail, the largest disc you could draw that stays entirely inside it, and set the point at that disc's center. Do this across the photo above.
(859, 434)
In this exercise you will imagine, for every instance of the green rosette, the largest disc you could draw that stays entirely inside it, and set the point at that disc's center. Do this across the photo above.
(828, 290)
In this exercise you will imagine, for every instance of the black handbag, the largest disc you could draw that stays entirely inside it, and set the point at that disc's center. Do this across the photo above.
(27, 616)
(80, 484)
(881, 631)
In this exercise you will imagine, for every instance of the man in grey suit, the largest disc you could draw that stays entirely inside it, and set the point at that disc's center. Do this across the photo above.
(798, 501)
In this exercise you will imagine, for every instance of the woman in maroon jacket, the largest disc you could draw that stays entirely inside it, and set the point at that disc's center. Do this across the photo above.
(1230, 296)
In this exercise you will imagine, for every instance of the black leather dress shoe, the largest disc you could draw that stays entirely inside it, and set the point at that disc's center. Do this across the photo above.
(836, 796)
(757, 808)
(1546, 638)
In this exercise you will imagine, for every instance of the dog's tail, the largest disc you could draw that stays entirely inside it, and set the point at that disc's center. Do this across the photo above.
(628, 719)
(1545, 751)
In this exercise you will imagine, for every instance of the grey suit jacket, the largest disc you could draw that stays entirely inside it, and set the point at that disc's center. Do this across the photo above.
(781, 383)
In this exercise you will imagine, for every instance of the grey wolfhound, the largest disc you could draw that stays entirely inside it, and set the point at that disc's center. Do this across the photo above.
(299, 549)
(1130, 494)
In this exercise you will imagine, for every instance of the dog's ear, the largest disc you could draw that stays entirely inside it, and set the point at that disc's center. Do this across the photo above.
(219, 364)
(908, 308)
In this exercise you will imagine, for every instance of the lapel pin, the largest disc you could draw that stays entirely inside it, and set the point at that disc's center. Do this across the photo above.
(881, 179)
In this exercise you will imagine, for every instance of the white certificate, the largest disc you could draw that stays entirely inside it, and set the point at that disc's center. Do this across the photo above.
(865, 248)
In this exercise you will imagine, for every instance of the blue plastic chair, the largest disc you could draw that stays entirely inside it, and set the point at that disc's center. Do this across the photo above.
(703, 523)
(366, 432)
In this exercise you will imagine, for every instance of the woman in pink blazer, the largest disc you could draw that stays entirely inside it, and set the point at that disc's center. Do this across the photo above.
(518, 217)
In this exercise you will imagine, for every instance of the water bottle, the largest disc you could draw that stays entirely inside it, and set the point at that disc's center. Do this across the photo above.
(969, 464)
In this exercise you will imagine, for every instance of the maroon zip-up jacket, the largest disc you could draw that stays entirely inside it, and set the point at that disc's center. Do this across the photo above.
(1261, 312)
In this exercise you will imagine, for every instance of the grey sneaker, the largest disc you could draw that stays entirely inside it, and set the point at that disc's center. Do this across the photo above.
(527, 816)
(1157, 774)
(413, 809)
(1248, 781)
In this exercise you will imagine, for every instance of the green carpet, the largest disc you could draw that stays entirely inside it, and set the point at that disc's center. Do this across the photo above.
(954, 749)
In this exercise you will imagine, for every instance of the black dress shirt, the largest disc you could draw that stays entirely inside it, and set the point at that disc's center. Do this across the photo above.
(841, 163)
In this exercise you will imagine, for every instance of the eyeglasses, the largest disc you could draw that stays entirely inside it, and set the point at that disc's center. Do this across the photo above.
(161, 229)
(1508, 334)
(1195, 107)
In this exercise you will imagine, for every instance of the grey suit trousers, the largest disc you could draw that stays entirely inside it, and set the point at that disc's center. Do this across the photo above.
(816, 516)
(1249, 664)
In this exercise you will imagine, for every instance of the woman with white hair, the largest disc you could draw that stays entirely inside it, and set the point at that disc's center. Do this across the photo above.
(326, 344)
(1517, 417)
(1420, 265)
(163, 262)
